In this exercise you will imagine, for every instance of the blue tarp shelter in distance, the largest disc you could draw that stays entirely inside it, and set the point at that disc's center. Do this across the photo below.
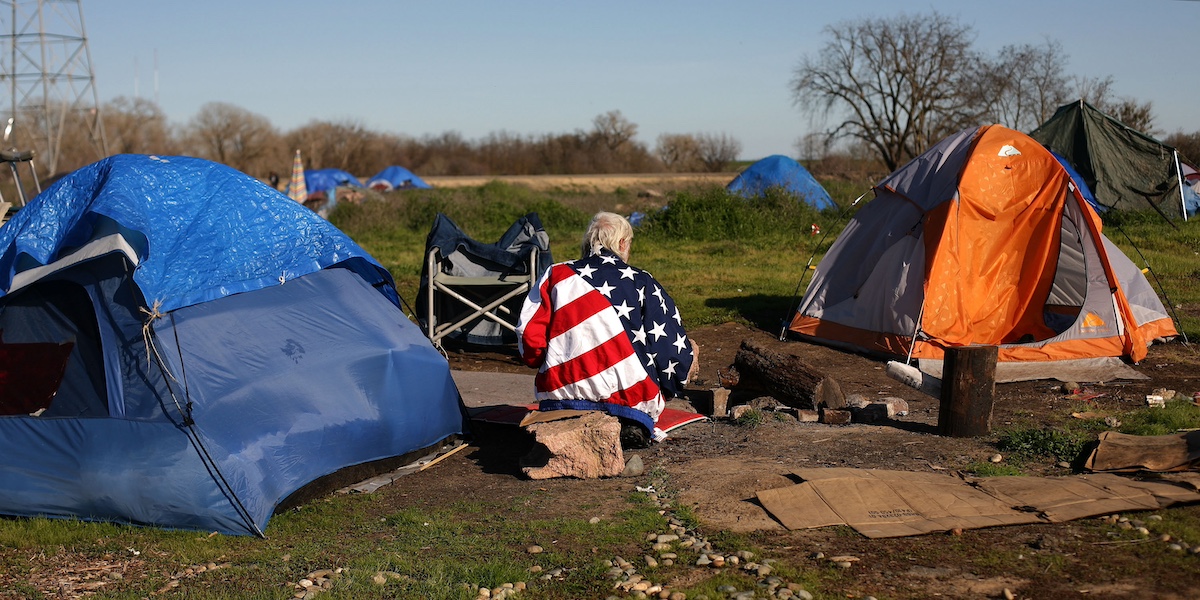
(783, 172)
(328, 180)
(224, 346)
(396, 178)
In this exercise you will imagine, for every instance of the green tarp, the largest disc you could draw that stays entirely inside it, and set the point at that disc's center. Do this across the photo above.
(1125, 168)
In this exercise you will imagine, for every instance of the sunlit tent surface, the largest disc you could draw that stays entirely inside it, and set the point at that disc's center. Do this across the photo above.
(1125, 168)
(229, 347)
(778, 171)
(981, 240)
(396, 178)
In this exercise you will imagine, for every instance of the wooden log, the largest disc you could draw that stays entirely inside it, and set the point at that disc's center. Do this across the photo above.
(785, 377)
(968, 391)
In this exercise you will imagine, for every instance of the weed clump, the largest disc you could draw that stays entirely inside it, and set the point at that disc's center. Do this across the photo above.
(1047, 442)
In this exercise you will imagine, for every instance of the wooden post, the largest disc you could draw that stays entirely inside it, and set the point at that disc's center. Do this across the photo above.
(968, 390)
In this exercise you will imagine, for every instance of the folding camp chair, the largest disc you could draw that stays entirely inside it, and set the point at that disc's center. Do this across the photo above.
(472, 292)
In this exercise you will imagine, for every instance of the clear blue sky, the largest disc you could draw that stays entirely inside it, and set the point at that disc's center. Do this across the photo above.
(526, 67)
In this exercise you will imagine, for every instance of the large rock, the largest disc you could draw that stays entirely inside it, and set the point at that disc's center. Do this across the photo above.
(586, 447)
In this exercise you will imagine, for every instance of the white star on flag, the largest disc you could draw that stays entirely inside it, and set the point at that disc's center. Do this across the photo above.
(670, 370)
(623, 310)
(678, 319)
(606, 289)
(608, 259)
(662, 302)
(650, 359)
(641, 296)
(680, 343)
(639, 335)
(586, 271)
(659, 331)
(627, 272)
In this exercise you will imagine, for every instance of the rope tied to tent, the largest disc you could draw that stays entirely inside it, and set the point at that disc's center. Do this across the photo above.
(152, 314)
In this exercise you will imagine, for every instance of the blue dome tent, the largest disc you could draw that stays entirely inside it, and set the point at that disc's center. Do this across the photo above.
(396, 178)
(205, 346)
(782, 172)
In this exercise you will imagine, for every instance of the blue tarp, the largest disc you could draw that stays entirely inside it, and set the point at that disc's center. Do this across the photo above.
(782, 172)
(1077, 179)
(278, 352)
(396, 178)
(328, 180)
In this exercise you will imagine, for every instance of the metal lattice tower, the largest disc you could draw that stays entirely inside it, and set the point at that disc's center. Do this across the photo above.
(46, 67)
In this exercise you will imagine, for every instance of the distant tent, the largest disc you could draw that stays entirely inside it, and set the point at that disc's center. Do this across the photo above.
(781, 172)
(396, 178)
(1125, 168)
(328, 180)
(1191, 189)
(205, 347)
(982, 240)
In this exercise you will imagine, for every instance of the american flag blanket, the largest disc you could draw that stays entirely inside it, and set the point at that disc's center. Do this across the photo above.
(604, 336)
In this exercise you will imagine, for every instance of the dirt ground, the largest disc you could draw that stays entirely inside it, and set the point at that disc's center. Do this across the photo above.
(717, 467)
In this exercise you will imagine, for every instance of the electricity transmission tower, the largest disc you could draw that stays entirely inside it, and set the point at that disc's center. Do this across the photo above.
(46, 67)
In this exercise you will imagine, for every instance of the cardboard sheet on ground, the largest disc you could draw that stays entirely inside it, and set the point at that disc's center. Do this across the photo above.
(880, 503)
(1122, 452)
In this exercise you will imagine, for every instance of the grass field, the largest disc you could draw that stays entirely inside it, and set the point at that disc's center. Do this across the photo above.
(721, 258)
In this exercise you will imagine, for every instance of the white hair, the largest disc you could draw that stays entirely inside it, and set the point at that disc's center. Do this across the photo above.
(607, 230)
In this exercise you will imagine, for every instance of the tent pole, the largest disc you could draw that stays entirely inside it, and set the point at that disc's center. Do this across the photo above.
(1179, 176)
(916, 331)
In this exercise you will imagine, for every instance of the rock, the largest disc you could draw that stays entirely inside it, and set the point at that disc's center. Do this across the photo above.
(856, 401)
(720, 401)
(804, 594)
(667, 538)
(875, 412)
(1154, 518)
(1143, 531)
(585, 447)
(594, 520)
(379, 579)
(739, 411)
(831, 416)
(1175, 547)
(807, 416)
(763, 403)
(535, 549)
(634, 467)
(897, 407)
(1008, 594)
(996, 458)
(1070, 387)
(651, 561)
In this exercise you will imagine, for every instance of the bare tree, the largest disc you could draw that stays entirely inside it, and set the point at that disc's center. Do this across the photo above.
(138, 126)
(1023, 86)
(236, 137)
(1188, 145)
(613, 129)
(716, 151)
(679, 152)
(890, 82)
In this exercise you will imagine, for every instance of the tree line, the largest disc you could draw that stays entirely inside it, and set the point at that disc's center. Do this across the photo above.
(247, 141)
(891, 87)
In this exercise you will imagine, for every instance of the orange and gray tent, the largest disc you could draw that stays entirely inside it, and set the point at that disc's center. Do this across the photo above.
(982, 240)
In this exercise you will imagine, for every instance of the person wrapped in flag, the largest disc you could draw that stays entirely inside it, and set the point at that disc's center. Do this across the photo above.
(605, 335)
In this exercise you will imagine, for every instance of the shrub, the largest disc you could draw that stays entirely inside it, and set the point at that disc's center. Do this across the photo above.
(1048, 442)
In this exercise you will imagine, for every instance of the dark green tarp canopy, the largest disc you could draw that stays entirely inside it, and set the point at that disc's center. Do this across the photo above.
(1125, 168)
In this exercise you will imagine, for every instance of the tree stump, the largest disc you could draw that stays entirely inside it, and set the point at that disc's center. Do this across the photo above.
(968, 391)
(785, 377)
